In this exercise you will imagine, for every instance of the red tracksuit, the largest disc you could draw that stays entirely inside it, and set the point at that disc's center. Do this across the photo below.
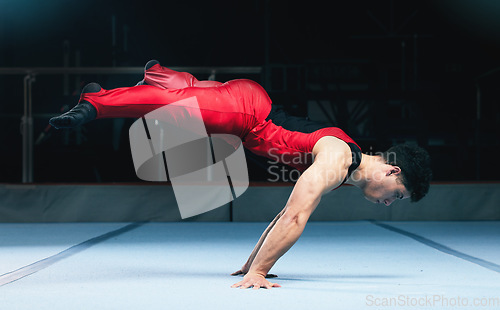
(237, 107)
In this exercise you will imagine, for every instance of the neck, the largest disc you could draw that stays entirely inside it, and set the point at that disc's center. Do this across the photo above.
(362, 174)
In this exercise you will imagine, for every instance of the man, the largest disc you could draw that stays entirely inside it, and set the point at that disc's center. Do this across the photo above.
(243, 108)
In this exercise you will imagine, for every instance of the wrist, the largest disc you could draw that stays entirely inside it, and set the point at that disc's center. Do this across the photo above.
(256, 271)
(245, 268)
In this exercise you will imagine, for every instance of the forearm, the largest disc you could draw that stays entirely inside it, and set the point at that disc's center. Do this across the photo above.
(280, 239)
(262, 239)
(288, 227)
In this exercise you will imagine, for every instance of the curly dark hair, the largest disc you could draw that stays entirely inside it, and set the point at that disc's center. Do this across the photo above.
(415, 166)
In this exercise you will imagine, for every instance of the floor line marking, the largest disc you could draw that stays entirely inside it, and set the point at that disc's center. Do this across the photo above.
(30, 269)
(440, 247)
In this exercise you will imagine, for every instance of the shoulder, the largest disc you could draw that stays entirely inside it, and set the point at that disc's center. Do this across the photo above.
(332, 158)
(333, 150)
(331, 145)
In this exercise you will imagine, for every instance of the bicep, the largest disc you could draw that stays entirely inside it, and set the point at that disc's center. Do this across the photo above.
(317, 180)
(326, 173)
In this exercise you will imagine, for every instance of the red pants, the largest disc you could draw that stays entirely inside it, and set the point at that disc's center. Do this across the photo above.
(237, 107)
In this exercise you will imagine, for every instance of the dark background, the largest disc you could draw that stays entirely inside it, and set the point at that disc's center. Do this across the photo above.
(394, 71)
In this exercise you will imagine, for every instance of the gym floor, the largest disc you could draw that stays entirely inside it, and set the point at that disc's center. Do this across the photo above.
(346, 265)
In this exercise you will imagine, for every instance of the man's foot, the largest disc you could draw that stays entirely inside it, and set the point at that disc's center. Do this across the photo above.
(148, 66)
(82, 113)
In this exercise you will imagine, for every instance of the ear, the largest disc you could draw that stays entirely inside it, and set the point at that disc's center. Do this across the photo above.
(395, 170)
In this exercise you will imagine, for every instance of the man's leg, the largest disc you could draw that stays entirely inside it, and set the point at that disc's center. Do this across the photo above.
(165, 78)
(134, 102)
(221, 112)
(154, 75)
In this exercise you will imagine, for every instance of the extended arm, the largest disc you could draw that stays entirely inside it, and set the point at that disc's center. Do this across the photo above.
(327, 172)
(257, 247)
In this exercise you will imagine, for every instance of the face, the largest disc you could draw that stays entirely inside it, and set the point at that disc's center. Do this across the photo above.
(384, 186)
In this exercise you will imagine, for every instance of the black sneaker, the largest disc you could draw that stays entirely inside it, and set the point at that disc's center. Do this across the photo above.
(149, 65)
(82, 113)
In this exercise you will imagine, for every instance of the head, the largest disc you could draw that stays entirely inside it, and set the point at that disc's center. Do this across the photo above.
(403, 172)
